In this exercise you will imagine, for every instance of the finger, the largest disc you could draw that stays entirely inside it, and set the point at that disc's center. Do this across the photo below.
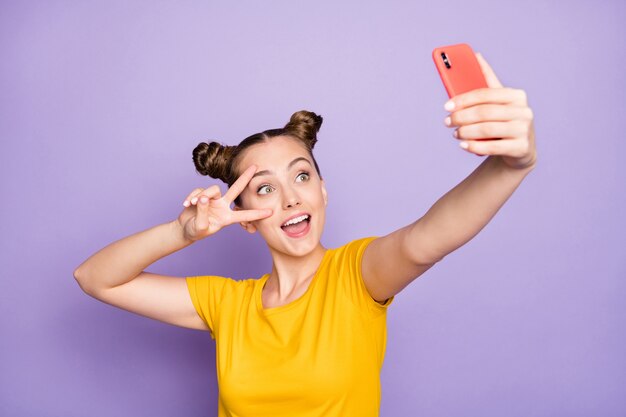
(211, 192)
(240, 185)
(202, 216)
(504, 95)
(488, 113)
(251, 215)
(506, 147)
(510, 129)
(490, 75)
(192, 194)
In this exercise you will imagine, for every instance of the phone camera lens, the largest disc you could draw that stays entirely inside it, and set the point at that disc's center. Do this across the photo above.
(445, 60)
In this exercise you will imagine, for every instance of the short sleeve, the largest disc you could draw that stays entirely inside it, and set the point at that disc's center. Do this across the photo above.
(350, 263)
(206, 292)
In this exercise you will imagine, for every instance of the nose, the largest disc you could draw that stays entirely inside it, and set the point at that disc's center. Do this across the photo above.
(291, 199)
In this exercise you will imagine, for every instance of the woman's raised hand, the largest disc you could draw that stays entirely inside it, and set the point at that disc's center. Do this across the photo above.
(207, 211)
(494, 121)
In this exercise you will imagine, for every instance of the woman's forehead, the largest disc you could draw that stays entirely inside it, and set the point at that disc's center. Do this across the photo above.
(275, 154)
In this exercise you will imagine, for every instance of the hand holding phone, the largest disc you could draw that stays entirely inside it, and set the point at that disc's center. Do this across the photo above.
(494, 120)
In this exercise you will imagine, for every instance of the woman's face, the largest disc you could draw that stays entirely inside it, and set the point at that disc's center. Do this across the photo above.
(285, 181)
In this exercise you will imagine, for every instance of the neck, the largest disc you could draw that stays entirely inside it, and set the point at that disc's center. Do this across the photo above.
(291, 272)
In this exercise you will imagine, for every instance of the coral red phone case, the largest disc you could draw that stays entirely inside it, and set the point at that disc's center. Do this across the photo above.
(458, 68)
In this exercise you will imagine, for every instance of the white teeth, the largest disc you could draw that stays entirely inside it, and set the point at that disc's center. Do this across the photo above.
(296, 220)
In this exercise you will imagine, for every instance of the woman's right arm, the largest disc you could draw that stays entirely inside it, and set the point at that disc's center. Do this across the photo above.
(116, 276)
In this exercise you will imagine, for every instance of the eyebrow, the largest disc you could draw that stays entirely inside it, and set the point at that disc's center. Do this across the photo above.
(292, 163)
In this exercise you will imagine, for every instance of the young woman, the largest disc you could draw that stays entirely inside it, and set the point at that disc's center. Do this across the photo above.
(308, 338)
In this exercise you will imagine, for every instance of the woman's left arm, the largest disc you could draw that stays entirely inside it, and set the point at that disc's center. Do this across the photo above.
(494, 121)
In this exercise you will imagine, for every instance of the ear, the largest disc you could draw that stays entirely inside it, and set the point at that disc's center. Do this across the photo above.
(247, 226)
(324, 192)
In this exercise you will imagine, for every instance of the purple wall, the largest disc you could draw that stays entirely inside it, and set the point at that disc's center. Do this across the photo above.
(101, 105)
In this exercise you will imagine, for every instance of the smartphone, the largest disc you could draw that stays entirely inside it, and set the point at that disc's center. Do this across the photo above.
(458, 68)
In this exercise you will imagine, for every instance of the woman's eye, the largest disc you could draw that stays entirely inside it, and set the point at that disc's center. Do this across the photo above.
(267, 186)
(262, 188)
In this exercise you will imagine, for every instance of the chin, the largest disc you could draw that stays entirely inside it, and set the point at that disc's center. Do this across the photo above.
(297, 247)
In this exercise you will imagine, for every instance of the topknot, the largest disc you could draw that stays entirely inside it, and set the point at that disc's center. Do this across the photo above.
(213, 159)
(304, 125)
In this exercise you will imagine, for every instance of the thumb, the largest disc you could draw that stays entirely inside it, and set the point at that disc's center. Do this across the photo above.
(490, 75)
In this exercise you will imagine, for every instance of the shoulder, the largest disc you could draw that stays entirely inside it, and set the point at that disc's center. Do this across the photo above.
(349, 255)
(355, 247)
(349, 265)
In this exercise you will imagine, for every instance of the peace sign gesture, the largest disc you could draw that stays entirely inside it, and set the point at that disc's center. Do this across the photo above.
(206, 211)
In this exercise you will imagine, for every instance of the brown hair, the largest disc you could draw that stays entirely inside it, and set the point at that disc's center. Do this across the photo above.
(220, 161)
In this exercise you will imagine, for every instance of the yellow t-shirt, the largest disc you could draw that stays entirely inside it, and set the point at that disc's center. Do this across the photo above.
(319, 355)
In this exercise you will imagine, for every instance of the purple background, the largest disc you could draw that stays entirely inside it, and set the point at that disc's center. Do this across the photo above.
(101, 104)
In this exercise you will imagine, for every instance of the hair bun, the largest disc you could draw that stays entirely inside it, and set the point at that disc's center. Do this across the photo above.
(305, 125)
(212, 159)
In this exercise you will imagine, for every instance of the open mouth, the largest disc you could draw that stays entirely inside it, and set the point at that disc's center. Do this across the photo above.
(299, 228)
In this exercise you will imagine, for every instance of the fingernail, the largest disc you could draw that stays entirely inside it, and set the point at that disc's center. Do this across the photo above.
(464, 145)
(449, 105)
(194, 200)
(447, 121)
(204, 200)
(455, 133)
(186, 203)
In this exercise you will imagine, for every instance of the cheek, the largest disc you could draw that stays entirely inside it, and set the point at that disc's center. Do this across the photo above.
(318, 197)
(263, 202)
(251, 200)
